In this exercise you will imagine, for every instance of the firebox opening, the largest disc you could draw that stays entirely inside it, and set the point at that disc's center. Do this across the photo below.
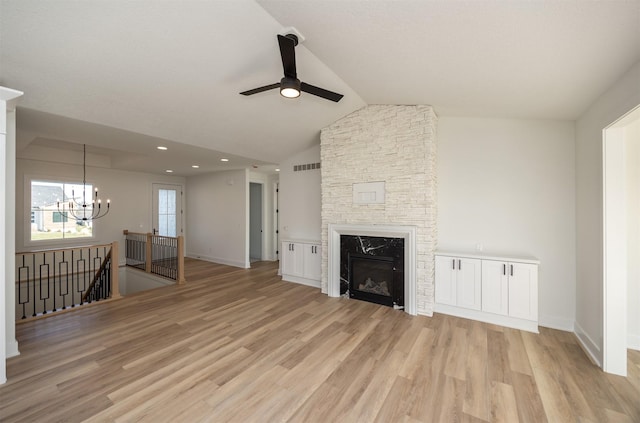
(374, 279)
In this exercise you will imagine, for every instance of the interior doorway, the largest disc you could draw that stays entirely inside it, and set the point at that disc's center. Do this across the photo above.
(255, 221)
(621, 241)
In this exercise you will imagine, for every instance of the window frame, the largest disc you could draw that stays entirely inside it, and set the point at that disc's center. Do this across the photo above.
(65, 242)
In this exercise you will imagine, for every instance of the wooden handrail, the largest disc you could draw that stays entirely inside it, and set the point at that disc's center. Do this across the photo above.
(96, 276)
(53, 250)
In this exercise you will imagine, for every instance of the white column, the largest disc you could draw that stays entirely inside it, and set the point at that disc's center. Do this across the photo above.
(8, 343)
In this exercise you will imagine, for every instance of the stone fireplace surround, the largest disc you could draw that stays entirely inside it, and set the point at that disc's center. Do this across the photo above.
(392, 147)
(408, 233)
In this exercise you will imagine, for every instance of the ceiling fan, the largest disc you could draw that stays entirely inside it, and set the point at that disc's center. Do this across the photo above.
(290, 86)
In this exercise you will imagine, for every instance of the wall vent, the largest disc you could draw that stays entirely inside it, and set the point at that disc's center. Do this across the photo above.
(309, 166)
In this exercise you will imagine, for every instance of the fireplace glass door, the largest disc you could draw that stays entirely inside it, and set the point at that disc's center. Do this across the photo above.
(371, 278)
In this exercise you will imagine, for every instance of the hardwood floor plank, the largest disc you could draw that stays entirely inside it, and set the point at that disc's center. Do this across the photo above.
(503, 403)
(241, 345)
(477, 397)
(530, 408)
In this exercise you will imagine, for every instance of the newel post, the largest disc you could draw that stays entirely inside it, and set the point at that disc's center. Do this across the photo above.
(115, 271)
(181, 280)
(148, 259)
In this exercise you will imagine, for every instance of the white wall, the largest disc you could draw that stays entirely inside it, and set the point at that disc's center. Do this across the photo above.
(623, 96)
(300, 197)
(509, 185)
(130, 194)
(217, 209)
(632, 147)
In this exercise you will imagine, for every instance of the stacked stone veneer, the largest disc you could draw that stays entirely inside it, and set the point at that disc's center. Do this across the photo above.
(397, 145)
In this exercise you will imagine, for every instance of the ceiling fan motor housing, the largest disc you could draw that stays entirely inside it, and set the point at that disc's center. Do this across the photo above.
(290, 87)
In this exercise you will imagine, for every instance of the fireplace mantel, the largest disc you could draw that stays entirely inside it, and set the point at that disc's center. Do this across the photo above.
(408, 233)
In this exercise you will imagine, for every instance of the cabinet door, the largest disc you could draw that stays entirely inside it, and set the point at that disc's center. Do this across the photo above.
(292, 259)
(495, 287)
(445, 278)
(523, 291)
(469, 283)
(312, 262)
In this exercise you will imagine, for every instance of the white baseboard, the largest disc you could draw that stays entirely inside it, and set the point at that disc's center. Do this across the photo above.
(633, 342)
(555, 322)
(588, 345)
(234, 263)
(510, 322)
(12, 348)
(302, 281)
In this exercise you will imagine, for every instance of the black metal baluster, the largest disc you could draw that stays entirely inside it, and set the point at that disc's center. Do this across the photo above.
(53, 282)
(42, 298)
(20, 286)
(34, 285)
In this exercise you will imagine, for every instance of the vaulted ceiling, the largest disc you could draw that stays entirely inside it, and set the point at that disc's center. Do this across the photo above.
(114, 74)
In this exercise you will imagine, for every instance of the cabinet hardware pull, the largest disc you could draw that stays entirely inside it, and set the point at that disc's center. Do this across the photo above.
(504, 269)
(454, 264)
(512, 270)
(459, 264)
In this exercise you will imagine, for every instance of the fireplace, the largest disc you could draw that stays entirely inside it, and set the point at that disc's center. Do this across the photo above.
(399, 243)
(373, 279)
(372, 269)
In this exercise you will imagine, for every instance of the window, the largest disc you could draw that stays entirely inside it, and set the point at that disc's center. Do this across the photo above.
(59, 217)
(52, 204)
(167, 212)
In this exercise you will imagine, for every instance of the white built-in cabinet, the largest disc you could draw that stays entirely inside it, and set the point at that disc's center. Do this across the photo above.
(493, 289)
(459, 282)
(301, 262)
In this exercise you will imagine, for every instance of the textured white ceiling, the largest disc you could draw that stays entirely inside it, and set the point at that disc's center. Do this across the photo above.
(513, 58)
(172, 70)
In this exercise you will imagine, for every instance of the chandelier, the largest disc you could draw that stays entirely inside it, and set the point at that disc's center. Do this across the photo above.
(84, 211)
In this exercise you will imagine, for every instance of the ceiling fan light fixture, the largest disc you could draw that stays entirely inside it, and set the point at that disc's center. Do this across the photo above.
(290, 87)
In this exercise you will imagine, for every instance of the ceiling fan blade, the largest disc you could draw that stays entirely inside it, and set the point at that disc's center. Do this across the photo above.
(320, 92)
(261, 89)
(288, 54)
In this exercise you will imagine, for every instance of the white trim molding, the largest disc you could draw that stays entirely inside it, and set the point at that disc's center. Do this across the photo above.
(588, 345)
(408, 233)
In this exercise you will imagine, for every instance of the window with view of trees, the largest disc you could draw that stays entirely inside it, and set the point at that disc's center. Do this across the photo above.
(50, 218)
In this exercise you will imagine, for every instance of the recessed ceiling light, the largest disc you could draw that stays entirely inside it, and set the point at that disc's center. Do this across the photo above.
(169, 171)
(195, 166)
(224, 160)
(160, 147)
(277, 170)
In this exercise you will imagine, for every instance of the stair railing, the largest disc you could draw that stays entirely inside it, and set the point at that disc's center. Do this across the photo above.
(49, 281)
(160, 255)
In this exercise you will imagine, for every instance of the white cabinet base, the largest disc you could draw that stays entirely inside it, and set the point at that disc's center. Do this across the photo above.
(301, 262)
(301, 280)
(504, 292)
(510, 322)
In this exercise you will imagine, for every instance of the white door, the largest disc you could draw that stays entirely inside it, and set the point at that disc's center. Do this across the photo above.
(468, 283)
(312, 262)
(167, 210)
(292, 256)
(495, 287)
(523, 291)
(446, 270)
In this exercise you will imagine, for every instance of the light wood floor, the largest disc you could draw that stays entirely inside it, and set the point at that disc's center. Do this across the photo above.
(241, 345)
